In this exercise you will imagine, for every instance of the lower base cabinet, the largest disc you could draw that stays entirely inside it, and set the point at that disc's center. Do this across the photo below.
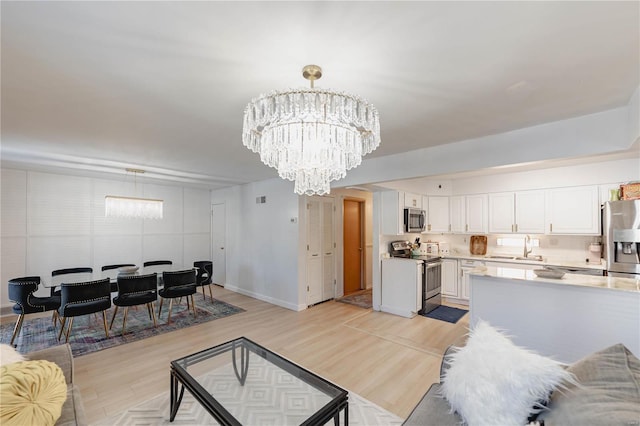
(450, 278)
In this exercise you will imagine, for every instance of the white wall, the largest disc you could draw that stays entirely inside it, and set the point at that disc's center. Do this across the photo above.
(53, 221)
(262, 247)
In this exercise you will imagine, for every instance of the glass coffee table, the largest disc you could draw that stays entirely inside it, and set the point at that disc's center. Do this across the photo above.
(241, 382)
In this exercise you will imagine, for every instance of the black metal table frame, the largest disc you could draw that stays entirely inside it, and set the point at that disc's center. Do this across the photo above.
(180, 376)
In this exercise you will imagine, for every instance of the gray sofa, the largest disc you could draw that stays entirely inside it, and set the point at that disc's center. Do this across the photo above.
(608, 394)
(72, 410)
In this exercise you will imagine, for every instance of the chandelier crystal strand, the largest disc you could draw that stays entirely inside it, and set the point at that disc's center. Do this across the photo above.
(311, 136)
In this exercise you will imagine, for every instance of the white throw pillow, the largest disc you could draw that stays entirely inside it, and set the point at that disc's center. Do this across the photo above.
(8, 355)
(491, 381)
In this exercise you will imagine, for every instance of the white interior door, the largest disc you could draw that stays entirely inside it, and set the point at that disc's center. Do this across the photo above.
(314, 251)
(218, 241)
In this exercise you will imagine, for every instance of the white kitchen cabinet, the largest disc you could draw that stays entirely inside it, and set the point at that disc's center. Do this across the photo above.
(465, 266)
(517, 212)
(457, 215)
(437, 213)
(450, 278)
(401, 286)
(477, 213)
(502, 212)
(413, 201)
(392, 212)
(572, 210)
(530, 212)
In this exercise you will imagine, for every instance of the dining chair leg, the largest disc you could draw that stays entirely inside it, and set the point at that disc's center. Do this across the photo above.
(160, 309)
(124, 321)
(155, 324)
(17, 328)
(69, 329)
(210, 293)
(194, 307)
(204, 296)
(170, 306)
(62, 322)
(149, 309)
(115, 311)
(188, 307)
(104, 321)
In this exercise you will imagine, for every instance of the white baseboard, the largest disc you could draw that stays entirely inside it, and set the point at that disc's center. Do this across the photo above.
(264, 298)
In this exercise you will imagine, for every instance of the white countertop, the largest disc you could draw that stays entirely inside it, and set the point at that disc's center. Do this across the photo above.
(545, 261)
(614, 283)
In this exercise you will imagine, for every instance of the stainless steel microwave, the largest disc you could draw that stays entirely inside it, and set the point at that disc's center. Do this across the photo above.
(414, 220)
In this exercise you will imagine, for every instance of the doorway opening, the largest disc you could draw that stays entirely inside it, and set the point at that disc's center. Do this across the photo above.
(353, 233)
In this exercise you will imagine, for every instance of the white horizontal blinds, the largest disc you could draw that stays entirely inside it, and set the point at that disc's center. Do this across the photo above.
(196, 247)
(113, 249)
(172, 220)
(14, 203)
(163, 246)
(197, 211)
(58, 205)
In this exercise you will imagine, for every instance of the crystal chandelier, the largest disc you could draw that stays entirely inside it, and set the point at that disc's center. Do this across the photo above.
(132, 207)
(311, 136)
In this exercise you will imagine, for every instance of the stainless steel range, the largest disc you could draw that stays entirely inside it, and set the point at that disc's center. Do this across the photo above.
(431, 274)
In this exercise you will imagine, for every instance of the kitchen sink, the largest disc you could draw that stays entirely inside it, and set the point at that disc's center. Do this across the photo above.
(536, 258)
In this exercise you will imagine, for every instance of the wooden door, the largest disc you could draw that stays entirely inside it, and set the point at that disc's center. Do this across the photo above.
(352, 234)
(218, 237)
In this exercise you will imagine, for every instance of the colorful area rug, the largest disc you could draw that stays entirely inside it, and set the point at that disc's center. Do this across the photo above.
(274, 399)
(446, 313)
(362, 299)
(87, 334)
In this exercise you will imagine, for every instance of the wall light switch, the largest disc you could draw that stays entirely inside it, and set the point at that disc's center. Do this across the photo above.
(294, 220)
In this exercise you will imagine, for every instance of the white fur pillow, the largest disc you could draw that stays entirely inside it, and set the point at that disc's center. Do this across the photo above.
(491, 381)
(8, 355)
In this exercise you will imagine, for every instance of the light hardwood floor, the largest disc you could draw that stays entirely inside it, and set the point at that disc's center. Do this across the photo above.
(387, 359)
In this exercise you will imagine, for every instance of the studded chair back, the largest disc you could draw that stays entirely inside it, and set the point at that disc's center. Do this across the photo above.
(204, 274)
(84, 298)
(178, 284)
(21, 293)
(135, 290)
(55, 291)
(113, 277)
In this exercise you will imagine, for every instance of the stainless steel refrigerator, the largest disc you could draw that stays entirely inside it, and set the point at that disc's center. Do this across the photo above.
(621, 238)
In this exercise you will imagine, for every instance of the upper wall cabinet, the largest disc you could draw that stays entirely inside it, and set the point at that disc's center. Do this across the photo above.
(469, 214)
(517, 212)
(413, 201)
(437, 213)
(573, 210)
(392, 212)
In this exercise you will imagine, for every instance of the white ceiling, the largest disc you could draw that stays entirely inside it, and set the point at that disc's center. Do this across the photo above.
(162, 86)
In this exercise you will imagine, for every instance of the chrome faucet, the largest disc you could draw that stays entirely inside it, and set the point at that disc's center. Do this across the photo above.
(527, 248)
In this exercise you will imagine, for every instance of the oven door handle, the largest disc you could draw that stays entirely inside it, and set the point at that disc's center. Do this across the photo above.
(432, 265)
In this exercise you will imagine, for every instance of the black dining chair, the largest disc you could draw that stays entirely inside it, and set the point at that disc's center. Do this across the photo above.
(204, 273)
(157, 262)
(21, 293)
(84, 298)
(114, 284)
(135, 290)
(68, 271)
(178, 284)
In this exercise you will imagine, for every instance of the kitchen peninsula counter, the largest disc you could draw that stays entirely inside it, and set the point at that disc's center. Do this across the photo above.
(566, 318)
(608, 282)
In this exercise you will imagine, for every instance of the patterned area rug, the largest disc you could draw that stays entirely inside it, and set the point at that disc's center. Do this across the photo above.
(273, 399)
(362, 299)
(87, 334)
